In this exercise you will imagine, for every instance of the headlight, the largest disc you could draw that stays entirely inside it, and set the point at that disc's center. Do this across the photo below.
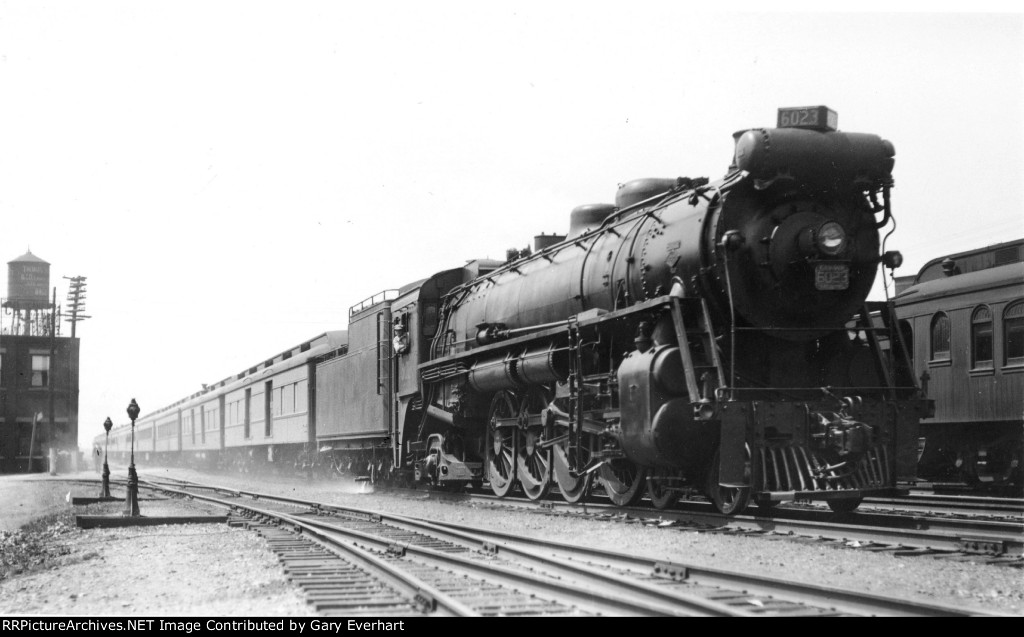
(831, 238)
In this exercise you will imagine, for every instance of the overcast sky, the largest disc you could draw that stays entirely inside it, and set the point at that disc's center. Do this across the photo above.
(232, 176)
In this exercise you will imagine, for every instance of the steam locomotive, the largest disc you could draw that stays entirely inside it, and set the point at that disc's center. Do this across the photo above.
(694, 336)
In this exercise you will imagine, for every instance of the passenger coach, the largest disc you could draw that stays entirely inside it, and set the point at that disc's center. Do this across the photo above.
(965, 312)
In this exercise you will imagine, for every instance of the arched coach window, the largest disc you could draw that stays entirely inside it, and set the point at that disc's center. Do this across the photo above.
(940, 337)
(1013, 334)
(981, 338)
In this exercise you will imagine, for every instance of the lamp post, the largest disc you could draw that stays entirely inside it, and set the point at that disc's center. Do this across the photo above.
(131, 502)
(105, 490)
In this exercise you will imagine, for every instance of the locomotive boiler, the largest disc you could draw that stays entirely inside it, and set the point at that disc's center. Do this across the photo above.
(696, 335)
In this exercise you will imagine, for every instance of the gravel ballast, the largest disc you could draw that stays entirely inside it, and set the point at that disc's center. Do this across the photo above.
(51, 567)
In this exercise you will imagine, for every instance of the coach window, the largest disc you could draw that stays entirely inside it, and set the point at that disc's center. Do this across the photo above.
(248, 412)
(287, 400)
(940, 337)
(1013, 334)
(268, 408)
(40, 371)
(301, 396)
(981, 338)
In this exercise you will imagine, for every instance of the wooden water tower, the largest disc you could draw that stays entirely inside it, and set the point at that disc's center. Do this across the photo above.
(28, 284)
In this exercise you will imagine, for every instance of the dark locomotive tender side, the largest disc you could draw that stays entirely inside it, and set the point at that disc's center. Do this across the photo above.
(693, 336)
(964, 313)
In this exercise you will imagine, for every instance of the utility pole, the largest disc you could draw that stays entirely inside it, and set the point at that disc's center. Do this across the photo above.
(76, 301)
(51, 376)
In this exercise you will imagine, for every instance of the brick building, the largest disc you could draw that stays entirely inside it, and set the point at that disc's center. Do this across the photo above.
(38, 374)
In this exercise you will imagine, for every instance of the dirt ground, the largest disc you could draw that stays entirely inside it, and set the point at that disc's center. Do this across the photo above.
(49, 566)
(25, 498)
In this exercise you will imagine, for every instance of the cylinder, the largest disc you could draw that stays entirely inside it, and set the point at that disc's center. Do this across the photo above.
(678, 439)
(491, 375)
(543, 365)
(667, 370)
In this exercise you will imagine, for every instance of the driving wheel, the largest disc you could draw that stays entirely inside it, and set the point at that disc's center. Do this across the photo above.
(533, 467)
(659, 488)
(500, 444)
(624, 481)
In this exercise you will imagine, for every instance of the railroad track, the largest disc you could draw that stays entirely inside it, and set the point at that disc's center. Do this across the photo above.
(896, 525)
(960, 489)
(958, 527)
(953, 504)
(351, 561)
(993, 538)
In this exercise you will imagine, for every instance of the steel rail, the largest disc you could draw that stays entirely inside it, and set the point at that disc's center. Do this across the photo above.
(410, 584)
(527, 549)
(593, 600)
(924, 536)
(956, 502)
(911, 531)
(841, 599)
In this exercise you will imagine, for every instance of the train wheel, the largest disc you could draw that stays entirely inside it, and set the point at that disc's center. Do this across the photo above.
(572, 485)
(845, 505)
(662, 497)
(533, 467)
(624, 481)
(727, 500)
(500, 445)
(337, 465)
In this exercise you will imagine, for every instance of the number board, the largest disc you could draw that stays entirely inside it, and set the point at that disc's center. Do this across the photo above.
(831, 276)
(816, 117)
